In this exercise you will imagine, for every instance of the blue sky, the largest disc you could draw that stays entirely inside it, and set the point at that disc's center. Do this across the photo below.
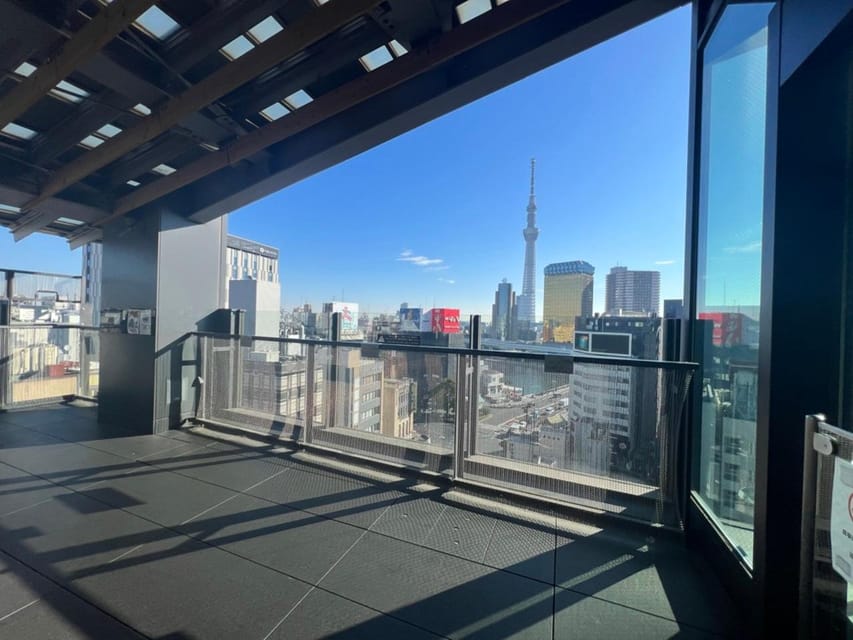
(608, 129)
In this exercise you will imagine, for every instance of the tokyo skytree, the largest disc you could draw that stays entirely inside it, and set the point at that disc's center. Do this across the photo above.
(527, 299)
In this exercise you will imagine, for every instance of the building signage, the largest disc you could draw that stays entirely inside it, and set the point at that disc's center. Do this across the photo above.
(841, 519)
(410, 319)
(349, 319)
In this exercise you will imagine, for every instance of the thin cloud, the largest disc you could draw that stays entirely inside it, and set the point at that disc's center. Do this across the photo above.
(664, 262)
(446, 281)
(443, 267)
(420, 261)
(749, 247)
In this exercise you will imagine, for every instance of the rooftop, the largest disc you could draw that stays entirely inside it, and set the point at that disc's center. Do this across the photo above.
(197, 534)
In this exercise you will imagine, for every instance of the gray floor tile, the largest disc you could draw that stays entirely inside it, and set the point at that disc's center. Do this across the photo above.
(19, 585)
(332, 495)
(69, 464)
(72, 534)
(164, 497)
(580, 617)
(81, 430)
(660, 579)
(412, 518)
(180, 586)
(462, 532)
(19, 489)
(449, 596)
(17, 437)
(222, 464)
(324, 616)
(136, 447)
(298, 543)
(524, 549)
(60, 615)
(48, 414)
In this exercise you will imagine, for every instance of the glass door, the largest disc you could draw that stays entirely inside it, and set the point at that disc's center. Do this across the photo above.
(731, 179)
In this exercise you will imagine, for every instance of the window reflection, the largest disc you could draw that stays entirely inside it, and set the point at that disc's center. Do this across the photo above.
(729, 273)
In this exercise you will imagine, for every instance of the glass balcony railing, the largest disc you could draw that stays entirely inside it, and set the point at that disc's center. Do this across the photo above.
(47, 362)
(598, 432)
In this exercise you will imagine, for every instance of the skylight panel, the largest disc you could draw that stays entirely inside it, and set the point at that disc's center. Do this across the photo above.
(237, 47)
(8, 208)
(109, 131)
(156, 23)
(275, 111)
(471, 9)
(141, 110)
(164, 169)
(92, 141)
(70, 221)
(25, 69)
(64, 90)
(265, 29)
(397, 48)
(133, 183)
(19, 131)
(376, 58)
(298, 99)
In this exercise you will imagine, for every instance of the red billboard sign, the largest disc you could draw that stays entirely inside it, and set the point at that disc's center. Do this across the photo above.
(444, 320)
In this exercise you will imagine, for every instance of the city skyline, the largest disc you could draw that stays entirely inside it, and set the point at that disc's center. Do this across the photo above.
(432, 217)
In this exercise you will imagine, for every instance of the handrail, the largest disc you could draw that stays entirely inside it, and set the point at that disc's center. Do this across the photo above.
(667, 365)
(47, 325)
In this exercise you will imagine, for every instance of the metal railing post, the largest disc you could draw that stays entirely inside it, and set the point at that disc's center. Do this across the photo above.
(308, 435)
(332, 382)
(5, 366)
(459, 434)
(474, 385)
(807, 526)
(83, 384)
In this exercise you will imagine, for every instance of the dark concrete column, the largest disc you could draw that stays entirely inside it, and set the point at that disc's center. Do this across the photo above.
(162, 262)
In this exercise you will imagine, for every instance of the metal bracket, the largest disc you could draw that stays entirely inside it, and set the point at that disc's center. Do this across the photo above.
(824, 444)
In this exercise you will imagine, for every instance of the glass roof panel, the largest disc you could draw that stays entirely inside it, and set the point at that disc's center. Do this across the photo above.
(109, 130)
(397, 48)
(376, 58)
(164, 169)
(239, 46)
(156, 23)
(298, 99)
(91, 141)
(470, 9)
(265, 29)
(19, 131)
(25, 69)
(275, 111)
(64, 90)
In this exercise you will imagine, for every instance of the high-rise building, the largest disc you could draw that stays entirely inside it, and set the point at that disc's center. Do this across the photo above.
(527, 299)
(568, 294)
(504, 312)
(249, 260)
(629, 291)
(619, 403)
